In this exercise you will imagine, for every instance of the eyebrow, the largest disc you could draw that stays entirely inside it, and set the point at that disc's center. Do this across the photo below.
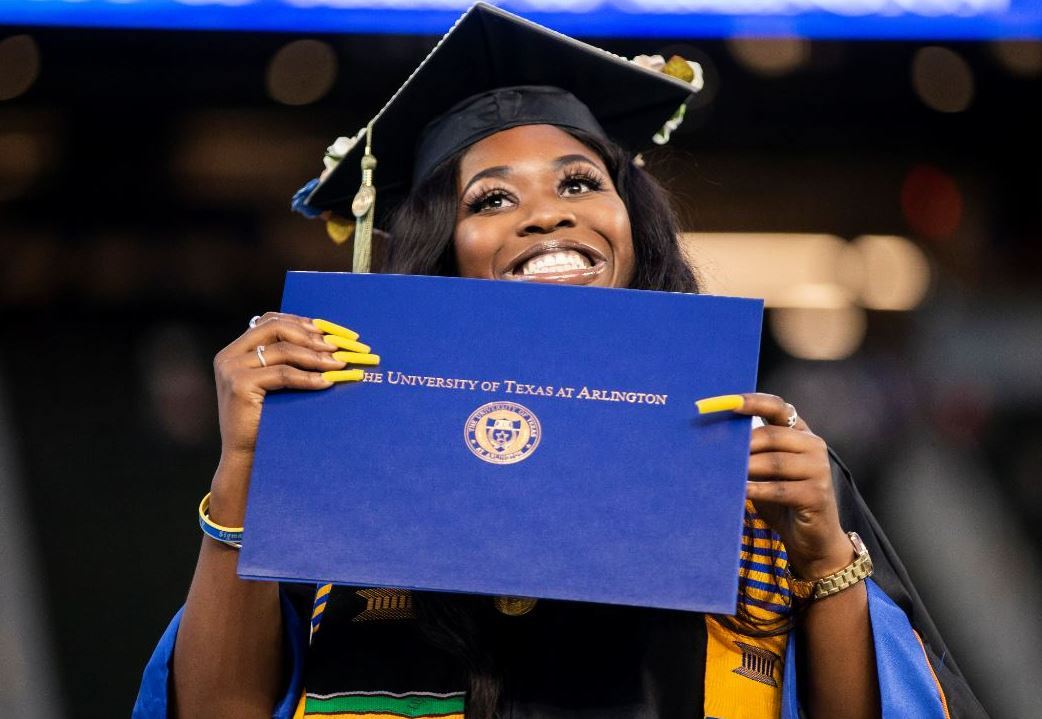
(505, 170)
(569, 159)
(497, 171)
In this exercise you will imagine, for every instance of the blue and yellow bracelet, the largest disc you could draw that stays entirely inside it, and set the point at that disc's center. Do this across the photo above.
(230, 536)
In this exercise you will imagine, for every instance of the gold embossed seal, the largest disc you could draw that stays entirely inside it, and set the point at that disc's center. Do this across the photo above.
(502, 432)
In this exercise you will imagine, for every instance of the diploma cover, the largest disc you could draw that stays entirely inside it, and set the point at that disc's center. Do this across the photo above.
(517, 439)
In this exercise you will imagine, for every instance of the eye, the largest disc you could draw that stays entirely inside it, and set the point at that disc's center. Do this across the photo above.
(489, 201)
(580, 183)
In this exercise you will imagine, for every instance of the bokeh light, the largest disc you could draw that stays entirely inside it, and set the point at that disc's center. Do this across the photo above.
(942, 79)
(772, 57)
(242, 156)
(817, 287)
(22, 158)
(19, 65)
(768, 265)
(1020, 57)
(889, 273)
(818, 334)
(931, 202)
(301, 72)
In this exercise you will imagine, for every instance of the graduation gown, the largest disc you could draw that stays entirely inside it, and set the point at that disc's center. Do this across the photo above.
(364, 653)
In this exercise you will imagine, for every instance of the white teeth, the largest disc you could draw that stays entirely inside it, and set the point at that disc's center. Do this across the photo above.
(560, 261)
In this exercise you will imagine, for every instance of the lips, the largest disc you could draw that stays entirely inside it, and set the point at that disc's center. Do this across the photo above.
(557, 261)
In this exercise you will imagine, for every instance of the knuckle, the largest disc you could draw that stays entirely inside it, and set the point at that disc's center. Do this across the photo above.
(239, 385)
(825, 468)
(777, 464)
(285, 373)
(286, 329)
(823, 493)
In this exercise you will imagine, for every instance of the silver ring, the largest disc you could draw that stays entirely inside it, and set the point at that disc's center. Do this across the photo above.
(260, 356)
(254, 320)
(792, 419)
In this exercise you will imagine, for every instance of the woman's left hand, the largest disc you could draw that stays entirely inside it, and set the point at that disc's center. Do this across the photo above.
(790, 483)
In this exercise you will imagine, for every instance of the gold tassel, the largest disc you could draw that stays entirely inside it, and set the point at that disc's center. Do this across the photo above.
(364, 208)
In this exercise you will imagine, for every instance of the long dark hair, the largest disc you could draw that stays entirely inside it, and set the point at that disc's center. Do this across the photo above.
(423, 225)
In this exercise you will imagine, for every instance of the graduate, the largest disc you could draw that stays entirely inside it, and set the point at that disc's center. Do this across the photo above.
(512, 153)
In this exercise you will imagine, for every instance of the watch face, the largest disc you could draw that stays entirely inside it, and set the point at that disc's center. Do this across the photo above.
(859, 546)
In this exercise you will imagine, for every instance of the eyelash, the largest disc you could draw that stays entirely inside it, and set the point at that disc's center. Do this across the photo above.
(594, 182)
(478, 204)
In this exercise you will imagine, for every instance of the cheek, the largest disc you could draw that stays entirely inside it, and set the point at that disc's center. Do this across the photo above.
(616, 227)
(475, 248)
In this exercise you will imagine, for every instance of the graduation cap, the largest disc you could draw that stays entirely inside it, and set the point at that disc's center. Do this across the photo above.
(492, 71)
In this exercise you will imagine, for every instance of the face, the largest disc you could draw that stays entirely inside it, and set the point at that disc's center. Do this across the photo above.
(537, 205)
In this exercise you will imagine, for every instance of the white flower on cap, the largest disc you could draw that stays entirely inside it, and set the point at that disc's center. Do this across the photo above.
(659, 64)
(651, 62)
(338, 151)
(691, 74)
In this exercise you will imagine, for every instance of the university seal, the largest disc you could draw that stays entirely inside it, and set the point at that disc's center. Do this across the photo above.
(502, 432)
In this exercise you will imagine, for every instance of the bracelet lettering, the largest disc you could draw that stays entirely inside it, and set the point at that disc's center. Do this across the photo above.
(229, 536)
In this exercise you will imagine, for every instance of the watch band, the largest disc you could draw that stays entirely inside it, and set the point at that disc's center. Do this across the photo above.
(857, 571)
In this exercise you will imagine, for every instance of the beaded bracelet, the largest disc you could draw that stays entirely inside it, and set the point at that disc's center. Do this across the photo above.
(230, 536)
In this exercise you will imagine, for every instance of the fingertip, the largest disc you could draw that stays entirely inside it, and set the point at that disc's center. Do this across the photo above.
(331, 328)
(357, 358)
(346, 344)
(721, 403)
(344, 375)
(754, 490)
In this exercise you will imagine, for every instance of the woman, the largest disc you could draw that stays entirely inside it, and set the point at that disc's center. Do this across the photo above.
(521, 183)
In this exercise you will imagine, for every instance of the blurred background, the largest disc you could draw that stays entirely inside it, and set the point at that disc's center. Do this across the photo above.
(871, 168)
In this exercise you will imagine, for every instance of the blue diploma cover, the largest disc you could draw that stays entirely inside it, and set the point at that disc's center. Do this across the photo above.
(516, 439)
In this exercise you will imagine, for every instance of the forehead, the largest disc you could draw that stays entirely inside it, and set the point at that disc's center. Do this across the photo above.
(519, 146)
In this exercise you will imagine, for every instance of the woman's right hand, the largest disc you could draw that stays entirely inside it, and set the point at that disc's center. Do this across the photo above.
(229, 656)
(296, 355)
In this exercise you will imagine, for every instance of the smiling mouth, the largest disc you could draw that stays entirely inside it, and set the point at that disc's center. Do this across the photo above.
(559, 262)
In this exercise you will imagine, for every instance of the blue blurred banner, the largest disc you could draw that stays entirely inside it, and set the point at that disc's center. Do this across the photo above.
(909, 19)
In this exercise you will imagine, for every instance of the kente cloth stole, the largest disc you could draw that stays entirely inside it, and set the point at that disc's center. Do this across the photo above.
(743, 674)
(382, 705)
(378, 606)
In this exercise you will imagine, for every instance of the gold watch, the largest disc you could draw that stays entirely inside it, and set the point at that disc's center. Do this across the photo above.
(857, 571)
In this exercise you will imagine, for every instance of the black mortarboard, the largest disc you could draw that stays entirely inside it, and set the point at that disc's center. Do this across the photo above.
(489, 49)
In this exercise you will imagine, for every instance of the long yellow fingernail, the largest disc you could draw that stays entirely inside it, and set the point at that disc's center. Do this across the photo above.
(723, 403)
(357, 358)
(335, 329)
(343, 375)
(346, 344)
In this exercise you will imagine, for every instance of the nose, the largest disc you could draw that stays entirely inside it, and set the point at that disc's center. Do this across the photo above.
(546, 217)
